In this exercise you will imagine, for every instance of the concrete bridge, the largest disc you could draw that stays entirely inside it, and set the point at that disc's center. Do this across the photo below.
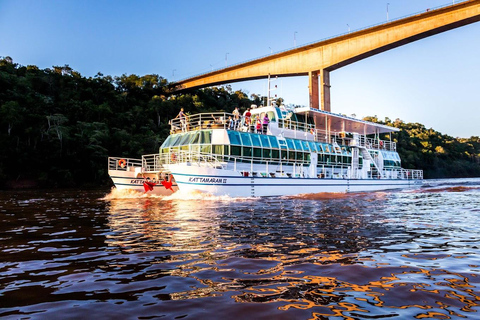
(318, 59)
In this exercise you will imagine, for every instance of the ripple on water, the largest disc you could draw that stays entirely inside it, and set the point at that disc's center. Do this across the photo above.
(398, 254)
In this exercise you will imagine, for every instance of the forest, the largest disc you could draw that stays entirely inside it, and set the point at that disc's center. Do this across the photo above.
(57, 128)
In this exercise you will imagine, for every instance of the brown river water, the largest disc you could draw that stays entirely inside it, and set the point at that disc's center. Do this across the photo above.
(79, 254)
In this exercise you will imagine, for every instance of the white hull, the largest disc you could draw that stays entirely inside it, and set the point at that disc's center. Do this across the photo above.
(228, 182)
(129, 180)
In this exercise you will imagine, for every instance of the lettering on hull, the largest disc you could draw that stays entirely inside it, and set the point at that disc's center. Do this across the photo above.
(207, 180)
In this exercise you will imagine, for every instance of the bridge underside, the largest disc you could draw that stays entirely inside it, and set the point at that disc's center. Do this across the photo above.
(317, 60)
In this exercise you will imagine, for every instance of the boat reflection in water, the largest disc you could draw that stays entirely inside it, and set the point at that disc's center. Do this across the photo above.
(375, 255)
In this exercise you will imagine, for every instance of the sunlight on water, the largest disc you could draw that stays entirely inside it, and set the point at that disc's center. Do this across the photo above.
(395, 255)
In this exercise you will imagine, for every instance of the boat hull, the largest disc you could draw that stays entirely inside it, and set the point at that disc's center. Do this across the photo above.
(128, 180)
(221, 182)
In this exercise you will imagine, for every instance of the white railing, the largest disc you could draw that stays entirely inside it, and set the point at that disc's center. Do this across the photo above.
(123, 164)
(214, 120)
(369, 143)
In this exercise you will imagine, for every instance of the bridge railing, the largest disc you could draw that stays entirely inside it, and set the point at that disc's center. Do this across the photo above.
(325, 39)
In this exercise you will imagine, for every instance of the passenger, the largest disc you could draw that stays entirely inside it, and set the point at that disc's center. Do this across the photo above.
(236, 117)
(259, 125)
(183, 119)
(231, 123)
(248, 117)
(266, 120)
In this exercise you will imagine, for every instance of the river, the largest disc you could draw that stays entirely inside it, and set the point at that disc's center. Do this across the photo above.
(111, 255)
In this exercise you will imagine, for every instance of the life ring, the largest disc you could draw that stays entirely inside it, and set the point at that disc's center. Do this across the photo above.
(122, 163)
(173, 157)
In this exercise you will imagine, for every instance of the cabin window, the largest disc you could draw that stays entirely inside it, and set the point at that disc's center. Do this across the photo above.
(291, 155)
(234, 137)
(284, 154)
(246, 141)
(247, 151)
(217, 149)
(290, 144)
(273, 141)
(298, 144)
(275, 154)
(257, 153)
(267, 154)
(205, 137)
(235, 150)
(206, 148)
(256, 140)
(271, 116)
(265, 142)
(305, 145)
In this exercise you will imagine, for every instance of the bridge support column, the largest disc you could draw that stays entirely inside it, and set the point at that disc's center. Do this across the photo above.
(325, 89)
(313, 89)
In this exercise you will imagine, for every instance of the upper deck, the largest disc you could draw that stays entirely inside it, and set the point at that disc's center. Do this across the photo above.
(299, 123)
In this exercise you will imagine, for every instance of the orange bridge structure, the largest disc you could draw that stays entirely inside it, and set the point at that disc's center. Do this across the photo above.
(318, 59)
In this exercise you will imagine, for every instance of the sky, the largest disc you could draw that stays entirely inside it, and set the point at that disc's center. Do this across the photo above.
(434, 81)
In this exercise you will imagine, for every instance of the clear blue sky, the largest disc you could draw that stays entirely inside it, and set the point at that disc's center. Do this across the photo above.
(435, 81)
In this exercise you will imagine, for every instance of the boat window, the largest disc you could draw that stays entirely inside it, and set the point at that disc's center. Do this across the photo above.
(267, 154)
(271, 116)
(166, 143)
(256, 140)
(234, 137)
(247, 152)
(319, 147)
(326, 148)
(174, 140)
(196, 137)
(246, 141)
(265, 142)
(298, 144)
(290, 144)
(217, 149)
(206, 148)
(305, 145)
(184, 139)
(205, 137)
(273, 141)
(275, 154)
(313, 146)
(257, 152)
(235, 150)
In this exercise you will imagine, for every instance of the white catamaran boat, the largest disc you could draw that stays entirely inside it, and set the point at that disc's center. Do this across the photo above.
(302, 150)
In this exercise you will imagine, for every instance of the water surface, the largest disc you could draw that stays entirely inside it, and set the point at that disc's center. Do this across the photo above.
(112, 255)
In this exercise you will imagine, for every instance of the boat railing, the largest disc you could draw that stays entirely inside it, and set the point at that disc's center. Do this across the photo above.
(151, 162)
(370, 143)
(296, 125)
(124, 164)
(199, 158)
(213, 120)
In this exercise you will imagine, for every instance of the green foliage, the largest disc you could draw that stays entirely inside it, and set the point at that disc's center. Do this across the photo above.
(57, 128)
(439, 155)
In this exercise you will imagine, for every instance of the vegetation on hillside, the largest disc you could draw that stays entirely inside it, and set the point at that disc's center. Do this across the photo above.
(57, 128)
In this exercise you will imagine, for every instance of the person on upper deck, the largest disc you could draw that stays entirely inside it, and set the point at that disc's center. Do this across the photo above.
(258, 127)
(183, 119)
(236, 117)
(266, 120)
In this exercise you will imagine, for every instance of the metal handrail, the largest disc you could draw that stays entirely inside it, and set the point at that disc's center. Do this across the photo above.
(123, 164)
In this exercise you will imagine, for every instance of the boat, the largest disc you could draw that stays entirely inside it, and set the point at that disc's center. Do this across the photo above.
(302, 150)
(142, 175)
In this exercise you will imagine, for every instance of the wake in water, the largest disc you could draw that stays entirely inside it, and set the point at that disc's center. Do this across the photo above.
(117, 194)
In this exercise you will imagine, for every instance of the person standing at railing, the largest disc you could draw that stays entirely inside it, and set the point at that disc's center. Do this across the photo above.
(231, 123)
(183, 119)
(258, 127)
(248, 119)
(266, 121)
(236, 118)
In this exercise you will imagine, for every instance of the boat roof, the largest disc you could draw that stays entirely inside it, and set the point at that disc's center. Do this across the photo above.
(342, 123)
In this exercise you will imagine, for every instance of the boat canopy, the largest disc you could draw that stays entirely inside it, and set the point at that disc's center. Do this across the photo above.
(332, 122)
